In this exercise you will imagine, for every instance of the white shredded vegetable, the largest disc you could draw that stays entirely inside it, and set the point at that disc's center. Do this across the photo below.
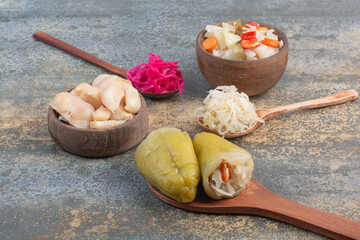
(227, 110)
(238, 180)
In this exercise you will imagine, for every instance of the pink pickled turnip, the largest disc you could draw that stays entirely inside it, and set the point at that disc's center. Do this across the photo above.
(156, 76)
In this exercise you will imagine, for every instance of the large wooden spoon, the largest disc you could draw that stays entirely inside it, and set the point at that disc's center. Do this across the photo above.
(265, 114)
(258, 200)
(46, 38)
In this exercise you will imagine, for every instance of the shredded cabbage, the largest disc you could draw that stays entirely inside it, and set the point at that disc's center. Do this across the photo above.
(156, 76)
(227, 110)
(238, 180)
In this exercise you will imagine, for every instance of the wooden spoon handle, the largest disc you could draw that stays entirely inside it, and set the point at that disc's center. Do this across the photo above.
(46, 38)
(308, 218)
(334, 99)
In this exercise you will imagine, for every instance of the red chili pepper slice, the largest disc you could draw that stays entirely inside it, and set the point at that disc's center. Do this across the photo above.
(225, 171)
(248, 35)
(250, 43)
(255, 24)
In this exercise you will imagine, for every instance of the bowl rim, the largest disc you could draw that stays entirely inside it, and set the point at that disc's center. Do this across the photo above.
(143, 110)
(284, 47)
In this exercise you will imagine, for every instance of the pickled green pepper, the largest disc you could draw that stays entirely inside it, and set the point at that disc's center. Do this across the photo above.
(225, 167)
(167, 159)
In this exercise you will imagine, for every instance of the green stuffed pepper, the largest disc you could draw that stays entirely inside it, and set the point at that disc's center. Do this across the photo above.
(167, 160)
(225, 167)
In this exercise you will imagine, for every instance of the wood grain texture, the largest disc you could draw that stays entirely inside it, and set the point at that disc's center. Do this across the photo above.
(99, 142)
(264, 114)
(46, 38)
(251, 77)
(257, 200)
(159, 95)
(334, 99)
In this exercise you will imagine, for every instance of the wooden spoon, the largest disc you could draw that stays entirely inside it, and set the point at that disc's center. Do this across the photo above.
(265, 114)
(46, 38)
(257, 200)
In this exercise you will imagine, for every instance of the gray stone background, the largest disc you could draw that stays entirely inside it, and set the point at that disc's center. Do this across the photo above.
(310, 156)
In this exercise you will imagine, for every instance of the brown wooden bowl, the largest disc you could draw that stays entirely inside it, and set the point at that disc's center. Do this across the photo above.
(251, 77)
(99, 142)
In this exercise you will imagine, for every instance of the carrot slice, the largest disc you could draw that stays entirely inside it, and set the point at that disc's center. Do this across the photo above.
(210, 43)
(250, 43)
(271, 42)
(255, 24)
(225, 171)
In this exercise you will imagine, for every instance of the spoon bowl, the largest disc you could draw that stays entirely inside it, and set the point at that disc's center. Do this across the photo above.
(48, 39)
(258, 200)
(159, 95)
(264, 114)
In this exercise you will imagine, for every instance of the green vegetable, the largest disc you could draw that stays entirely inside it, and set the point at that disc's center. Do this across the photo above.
(167, 160)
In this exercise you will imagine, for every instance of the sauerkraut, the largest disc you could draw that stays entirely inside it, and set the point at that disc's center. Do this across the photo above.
(227, 110)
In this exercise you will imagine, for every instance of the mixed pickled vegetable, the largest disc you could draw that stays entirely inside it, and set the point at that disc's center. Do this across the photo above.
(241, 41)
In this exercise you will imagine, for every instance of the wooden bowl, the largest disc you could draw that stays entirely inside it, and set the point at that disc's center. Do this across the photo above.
(251, 77)
(99, 142)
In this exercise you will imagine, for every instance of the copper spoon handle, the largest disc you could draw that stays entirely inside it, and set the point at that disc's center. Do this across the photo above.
(260, 201)
(308, 218)
(334, 99)
(46, 38)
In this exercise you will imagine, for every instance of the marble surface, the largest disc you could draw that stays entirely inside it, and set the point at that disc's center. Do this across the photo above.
(311, 156)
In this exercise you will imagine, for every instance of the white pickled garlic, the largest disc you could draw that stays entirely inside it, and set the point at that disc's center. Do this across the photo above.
(111, 97)
(132, 100)
(105, 124)
(101, 114)
(92, 95)
(121, 113)
(106, 81)
(79, 88)
(124, 84)
(73, 109)
(99, 79)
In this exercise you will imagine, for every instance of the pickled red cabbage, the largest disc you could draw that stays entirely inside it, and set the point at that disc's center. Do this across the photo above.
(156, 76)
